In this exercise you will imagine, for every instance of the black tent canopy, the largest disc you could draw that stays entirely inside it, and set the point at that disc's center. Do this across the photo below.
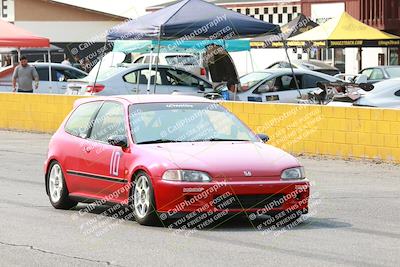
(192, 20)
(298, 25)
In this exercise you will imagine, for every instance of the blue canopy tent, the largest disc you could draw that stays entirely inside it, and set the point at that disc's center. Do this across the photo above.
(190, 20)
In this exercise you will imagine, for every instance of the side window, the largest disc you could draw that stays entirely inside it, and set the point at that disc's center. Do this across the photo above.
(78, 123)
(266, 87)
(182, 78)
(43, 74)
(132, 77)
(139, 60)
(367, 73)
(73, 74)
(146, 59)
(377, 74)
(310, 81)
(145, 75)
(58, 75)
(287, 82)
(109, 121)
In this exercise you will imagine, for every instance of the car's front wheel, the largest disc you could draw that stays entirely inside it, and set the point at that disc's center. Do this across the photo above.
(58, 191)
(143, 200)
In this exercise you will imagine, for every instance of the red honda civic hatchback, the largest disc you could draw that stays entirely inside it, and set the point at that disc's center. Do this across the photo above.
(166, 155)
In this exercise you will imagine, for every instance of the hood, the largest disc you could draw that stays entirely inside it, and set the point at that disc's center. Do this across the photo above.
(225, 159)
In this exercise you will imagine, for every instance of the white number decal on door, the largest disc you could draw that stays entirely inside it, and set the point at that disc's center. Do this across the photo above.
(114, 163)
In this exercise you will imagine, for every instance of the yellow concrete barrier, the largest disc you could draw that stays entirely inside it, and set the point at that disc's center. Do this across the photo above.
(34, 112)
(347, 132)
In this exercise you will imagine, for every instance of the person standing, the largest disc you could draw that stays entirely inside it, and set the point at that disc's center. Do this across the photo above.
(77, 63)
(23, 75)
(66, 61)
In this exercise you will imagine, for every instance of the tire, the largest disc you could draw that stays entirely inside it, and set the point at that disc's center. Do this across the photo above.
(143, 204)
(58, 191)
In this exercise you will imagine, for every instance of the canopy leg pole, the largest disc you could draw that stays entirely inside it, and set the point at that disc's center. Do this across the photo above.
(251, 61)
(291, 67)
(360, 58)
(98, 70)
(157, 59)
(19, 53)
(150, 67)
(50, 77)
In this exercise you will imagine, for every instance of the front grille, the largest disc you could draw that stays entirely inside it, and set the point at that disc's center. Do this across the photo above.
(248, 201)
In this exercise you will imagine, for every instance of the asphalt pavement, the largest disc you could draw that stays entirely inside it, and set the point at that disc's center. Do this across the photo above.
(354, 220)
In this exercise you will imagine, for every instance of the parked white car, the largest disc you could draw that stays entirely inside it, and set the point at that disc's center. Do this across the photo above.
(386, 94)
(133, 79)
(186, 61)
(60, 74)
(278, 85)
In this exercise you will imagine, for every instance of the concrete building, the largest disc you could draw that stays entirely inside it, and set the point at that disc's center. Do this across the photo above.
(80, 31)
(273, 11)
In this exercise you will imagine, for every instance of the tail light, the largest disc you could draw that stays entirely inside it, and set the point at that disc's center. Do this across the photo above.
(95, 88)
(202, 71)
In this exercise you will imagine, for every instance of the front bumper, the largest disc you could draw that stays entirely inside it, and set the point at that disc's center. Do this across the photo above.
(260, 197)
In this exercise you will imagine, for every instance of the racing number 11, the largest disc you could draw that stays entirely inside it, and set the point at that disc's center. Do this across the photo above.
(114, 163)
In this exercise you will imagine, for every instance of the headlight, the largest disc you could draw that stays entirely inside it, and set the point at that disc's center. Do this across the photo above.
(293, 173)
(186, 175)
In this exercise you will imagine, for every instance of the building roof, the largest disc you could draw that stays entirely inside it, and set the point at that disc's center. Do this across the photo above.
(87, 8)
(227, 2)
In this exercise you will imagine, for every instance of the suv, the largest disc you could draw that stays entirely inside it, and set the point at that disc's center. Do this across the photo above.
(187, 61)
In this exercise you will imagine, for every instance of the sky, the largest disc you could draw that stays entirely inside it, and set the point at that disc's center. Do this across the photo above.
(126, 8)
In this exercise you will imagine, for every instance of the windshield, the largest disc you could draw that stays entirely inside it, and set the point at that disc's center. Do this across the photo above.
(185, 122)
(393, 72)
(181, 60)
(249, 80)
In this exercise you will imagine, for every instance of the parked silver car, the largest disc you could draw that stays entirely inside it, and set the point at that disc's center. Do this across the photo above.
(278, 85)
(380, 73)
(134, 79)
(59, 73)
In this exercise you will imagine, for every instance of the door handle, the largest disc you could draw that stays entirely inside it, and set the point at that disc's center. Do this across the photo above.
(88, 149)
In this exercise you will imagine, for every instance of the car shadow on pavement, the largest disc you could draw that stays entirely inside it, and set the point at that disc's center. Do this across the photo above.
(228, 223)
(242, 223)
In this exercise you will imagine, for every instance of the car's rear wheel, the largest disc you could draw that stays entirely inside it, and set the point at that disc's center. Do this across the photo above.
(143, 200)
(58, 191)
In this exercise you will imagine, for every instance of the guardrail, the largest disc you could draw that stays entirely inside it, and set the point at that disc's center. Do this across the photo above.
(346, 132)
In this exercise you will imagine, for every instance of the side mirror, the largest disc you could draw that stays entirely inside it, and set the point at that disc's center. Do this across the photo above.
(263, 137)
(118, 140)
(61, 78)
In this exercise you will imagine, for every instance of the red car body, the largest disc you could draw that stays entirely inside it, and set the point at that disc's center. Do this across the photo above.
(249, 171)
